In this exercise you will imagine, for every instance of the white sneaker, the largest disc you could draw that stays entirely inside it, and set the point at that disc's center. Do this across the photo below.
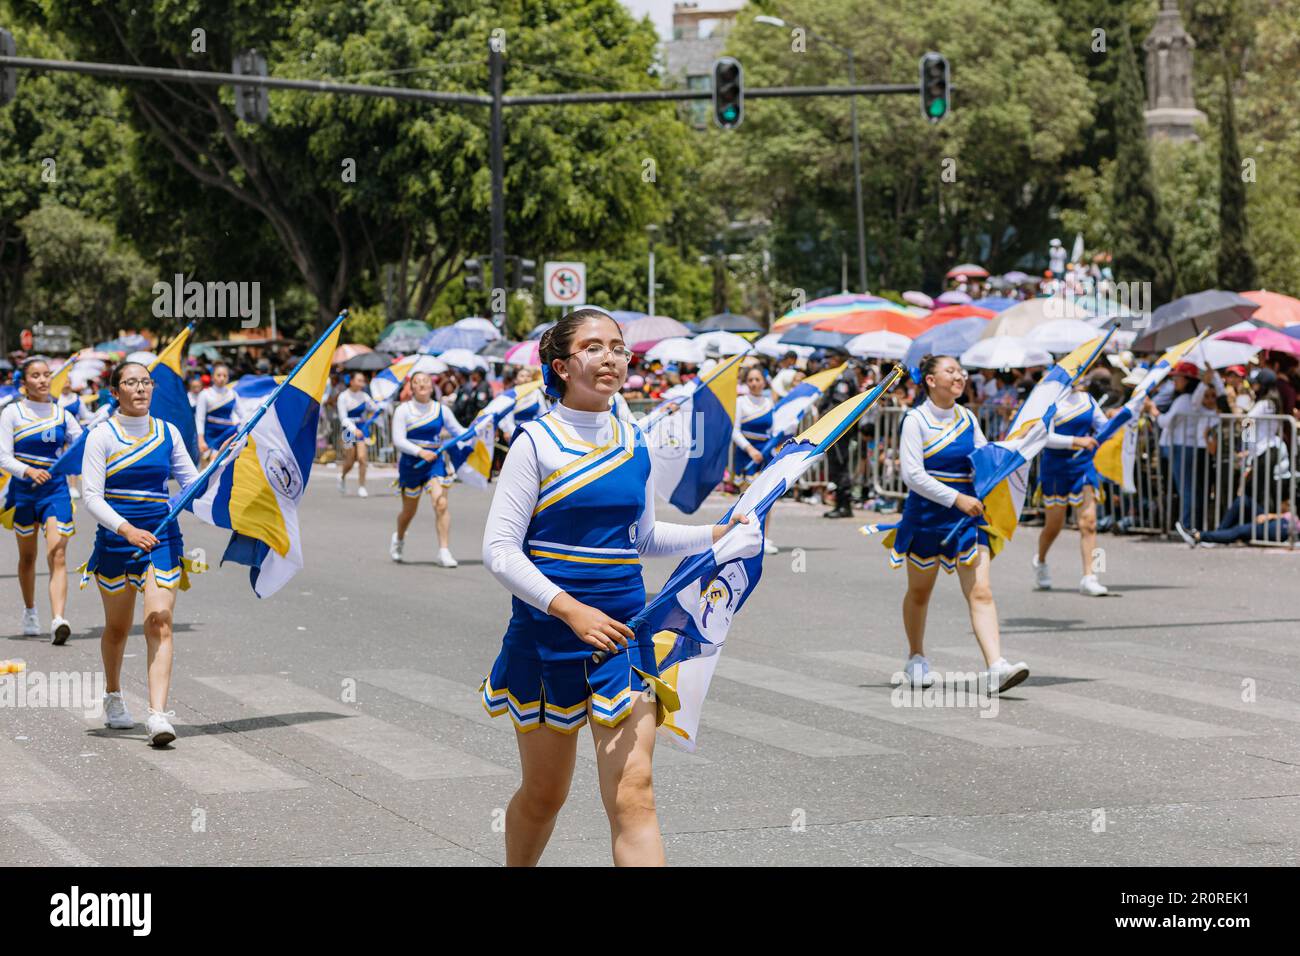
(395, 547)
(362, 493)
(1042, 576)
(917, 671)
(60, 630)
(1003, 675)
(116, 715)
(769, 547)
(446, 560)
(343, 485)
(31, 622)
(161, 732)
(1090, 586)
(1183, 533)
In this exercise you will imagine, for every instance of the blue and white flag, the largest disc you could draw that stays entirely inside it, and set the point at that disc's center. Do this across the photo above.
(789, 411)
(255, 491)
(692, 613)
(471, 451)
(689, 447)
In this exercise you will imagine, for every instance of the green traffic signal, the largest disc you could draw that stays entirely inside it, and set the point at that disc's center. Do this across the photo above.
(938, 108)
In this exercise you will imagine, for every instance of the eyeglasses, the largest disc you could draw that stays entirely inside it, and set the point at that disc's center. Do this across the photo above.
(596, 352)
(145, 383)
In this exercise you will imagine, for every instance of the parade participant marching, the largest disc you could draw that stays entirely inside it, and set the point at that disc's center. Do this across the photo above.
(356, 412)
(128, 460)
(937, 439)
(33, 431)
(754, 424)
(571, 518)
(418, 426)
(1066, 478)
(215, 415)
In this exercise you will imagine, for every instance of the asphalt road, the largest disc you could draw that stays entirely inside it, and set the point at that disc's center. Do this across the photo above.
(338, 721)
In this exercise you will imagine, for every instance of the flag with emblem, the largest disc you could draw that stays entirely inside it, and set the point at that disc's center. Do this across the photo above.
(789, 411)
(693, 612)
(471, 451)
(254, 489)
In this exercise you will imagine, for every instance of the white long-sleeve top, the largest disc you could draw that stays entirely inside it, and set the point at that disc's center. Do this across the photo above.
(912, 453)
(747, 407)
(516, 497)
(213, 397)
(1187, 422)
(414, 411)
(100, 443)
(350, 399)
(9, 421)
(1073, 402)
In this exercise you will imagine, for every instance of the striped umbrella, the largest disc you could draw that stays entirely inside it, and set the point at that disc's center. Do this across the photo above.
(345, 353)
(840, 306)
(874, 321)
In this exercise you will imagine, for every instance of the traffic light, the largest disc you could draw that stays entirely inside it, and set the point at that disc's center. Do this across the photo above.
(525, 273)
(252, 103)
(728, 92)
(8, 75)
(935, 97)
(473, 273)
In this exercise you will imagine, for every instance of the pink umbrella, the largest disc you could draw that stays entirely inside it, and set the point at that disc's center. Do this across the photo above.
(1270, 340)
(968, 269)
(525, 353)
(919, 298)
(953, 297)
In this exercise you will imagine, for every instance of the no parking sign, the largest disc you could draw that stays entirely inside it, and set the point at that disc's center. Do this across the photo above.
(566, 283)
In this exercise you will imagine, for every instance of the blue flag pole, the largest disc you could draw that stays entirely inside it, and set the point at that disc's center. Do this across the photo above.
(189, 492)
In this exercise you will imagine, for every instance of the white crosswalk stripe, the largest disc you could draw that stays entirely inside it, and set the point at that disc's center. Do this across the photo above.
(1196, 659)
(865, 702)
(949, 854)
(1075, 706)
(25, 779)
(462, 700)
(1225, 693)
(60, 848)
(396, 749)
(785, 734)
(203, 762)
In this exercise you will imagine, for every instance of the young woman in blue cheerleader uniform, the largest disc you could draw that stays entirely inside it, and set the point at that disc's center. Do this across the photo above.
(34, 430)
(215, 413)
(1067, 476)
(128, 461)
(418, 427)
(937, 439)
(753, 429)
(356, 413)
(572, 516)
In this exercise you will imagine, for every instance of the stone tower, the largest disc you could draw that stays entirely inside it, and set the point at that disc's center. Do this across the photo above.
(1171, 110)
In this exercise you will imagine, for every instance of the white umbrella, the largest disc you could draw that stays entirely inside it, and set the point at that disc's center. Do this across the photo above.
(770, 345)
(1062, 335)
(676, 349)
(723, 343)
(1218, 354)
(144, 358)
(879, 344)
(464, 359)
(476, 323)
(1005, 351)
(1023, 317)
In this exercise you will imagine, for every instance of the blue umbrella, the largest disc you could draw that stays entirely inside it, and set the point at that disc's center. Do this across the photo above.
(540, 330)
(1292, 330)
(995, 303)
(451, 337)
(818, 339)
(950, 338)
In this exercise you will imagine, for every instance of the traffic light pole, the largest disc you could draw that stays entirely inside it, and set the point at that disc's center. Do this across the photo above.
(497, 299)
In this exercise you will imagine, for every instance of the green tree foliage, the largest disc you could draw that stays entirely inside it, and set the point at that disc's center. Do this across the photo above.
(1236, 266)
